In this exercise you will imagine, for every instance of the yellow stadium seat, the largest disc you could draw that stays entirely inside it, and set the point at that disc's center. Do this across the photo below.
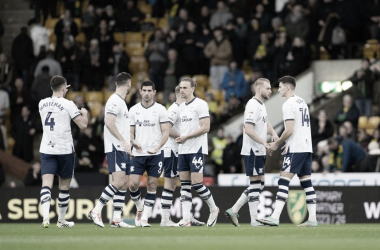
(10, 142)
(144, 8)
(163, 23)
(94, 96)
(119, 37)
(80, 38)
(138, 63)
(134, 37)
(372, 41)
(77, 21)
(95, 108)
(201, 80)
(51, 22)
(200, 93)
(218, 95)
(147, 35)
(369, 131)
(107, 95)
(72, 94)
(129, 96)
(133, 45)
(150, 20)
(135, 51)
(362, 122)
(373, 122)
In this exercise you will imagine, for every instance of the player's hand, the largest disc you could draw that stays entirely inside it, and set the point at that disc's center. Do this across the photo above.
(126, 146)
(83, 112)
(272, 147)
(267, 146)
(153, 151)
(181, 139)
(137, 146)
(283, 148)
(275, 138)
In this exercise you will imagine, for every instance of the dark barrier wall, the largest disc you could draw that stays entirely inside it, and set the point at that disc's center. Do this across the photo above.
(336, 205)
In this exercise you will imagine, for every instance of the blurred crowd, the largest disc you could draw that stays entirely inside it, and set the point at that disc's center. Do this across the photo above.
(234, 42)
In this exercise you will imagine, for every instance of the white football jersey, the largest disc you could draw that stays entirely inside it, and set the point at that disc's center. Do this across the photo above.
(174, 118)
(256, 114)
(56, 114)
(116, 106)
(147, 123)
(191, 114)
(296, 109)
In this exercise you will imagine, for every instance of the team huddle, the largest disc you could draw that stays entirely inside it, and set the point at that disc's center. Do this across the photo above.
(174, 143)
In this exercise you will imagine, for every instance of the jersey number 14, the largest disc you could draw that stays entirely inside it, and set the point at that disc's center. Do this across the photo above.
(305, 117)
(50, 123)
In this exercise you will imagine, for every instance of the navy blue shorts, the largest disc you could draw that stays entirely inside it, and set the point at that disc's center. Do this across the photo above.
(61, 165)
(297, 163)
(118, 161)
(191, 162)
(151, 164)
(254, 164)
(171, 166)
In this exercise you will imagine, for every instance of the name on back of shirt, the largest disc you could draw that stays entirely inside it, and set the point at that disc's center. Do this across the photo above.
(52, 104)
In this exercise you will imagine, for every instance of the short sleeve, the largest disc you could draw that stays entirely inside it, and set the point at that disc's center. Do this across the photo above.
(73, 110)
(202, 110)
(163, 115)
(251, 114)
(132, 116)
(113, 107)
(173, 115)
(288, 112)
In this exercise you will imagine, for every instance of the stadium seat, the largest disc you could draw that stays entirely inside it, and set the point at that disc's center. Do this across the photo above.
(369, 131)
(51, 22)
(133, 45)
(163, 23)
(218, 95)
(202, 80)
(10, 142)
(145, 8)
(138, 63)
(323, 54)
(119, 37)
(129, 96)
(95, 108)
(81, 38)
(107, 95)
(134, 37)
(78, 22)
(200, 93)
(94, 96)
(159, 97)
(135, 51)
(373, 122)
(362, 122)
(147, 35)
(72, 94)
(150, 20)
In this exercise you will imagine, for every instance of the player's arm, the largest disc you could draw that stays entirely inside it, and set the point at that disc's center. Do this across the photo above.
(135, 144)
(82, 119)
(172, 133)
(165, 128)
(289, 129)
(110, 124)
(204, 128)
(250, 131)
(272, 132)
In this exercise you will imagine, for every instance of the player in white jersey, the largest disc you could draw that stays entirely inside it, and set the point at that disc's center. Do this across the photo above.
(195, 124)
(118, 149)
(171, 164)
(297, 153)
(57, 148)
(256, 128)
(149, 133)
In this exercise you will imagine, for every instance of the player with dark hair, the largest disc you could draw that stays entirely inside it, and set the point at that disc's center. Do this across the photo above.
(118, 149)
(297, 151)
(149, 133)
(57, 148)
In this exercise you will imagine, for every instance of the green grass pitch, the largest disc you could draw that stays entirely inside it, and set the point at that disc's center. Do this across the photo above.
(28, 236)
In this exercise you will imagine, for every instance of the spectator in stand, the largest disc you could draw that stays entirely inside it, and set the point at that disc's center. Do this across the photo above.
(49, 6)
(364, 139)
(241, 28)
(376, 135)
(204, 63)
(179, 22)
(88, 22)
(277, 28)
(33, 177)
(23, 131)
(174, 69)
(68, 57)
(98, 126)
(203, 19)
(321, 128)
(90, 152)
(350, 131)
(93, 59)
(345, 155)
(218, 144)
(348, 112)
(6, 71)
(117, 62)
(371, 162)
(80, 103)
(1, 34)
(230, 156)
(236, 45)
(253, 38)
(220, 17)
(296, 23)
(364, 82)
(39, 36)
(212, 104)
(105, 38)
(238, 7)
(219, 51)
(54, 66)
(65, 29)
(234, 82)
(4, 102)
(297, 58)
(22, 54)
(111, 19)
(280, 52)
(131, 17)
(262, 57)
(19, 97)
(41, 86)
(263, 17)
(156, 56)
(189, 51)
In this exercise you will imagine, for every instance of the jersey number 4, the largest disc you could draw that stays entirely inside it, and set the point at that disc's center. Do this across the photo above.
(50, 123)
(305, 117)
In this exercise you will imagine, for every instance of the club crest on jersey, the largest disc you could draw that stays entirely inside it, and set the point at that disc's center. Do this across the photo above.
(132, 168)
(296, 206)
(125, 114)
(299, 101)
(264, 119)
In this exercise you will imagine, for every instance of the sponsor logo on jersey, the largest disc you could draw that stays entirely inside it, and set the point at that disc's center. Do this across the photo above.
(297, 206)
(185, 119)
(145, 123)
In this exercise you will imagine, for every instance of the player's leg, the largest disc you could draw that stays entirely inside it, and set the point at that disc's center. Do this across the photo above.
(118, 204)
(66, 172)
(149, 200)
(171, 178)
(311, 197)
(49, 167)
(135, 194)
(186, 196)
